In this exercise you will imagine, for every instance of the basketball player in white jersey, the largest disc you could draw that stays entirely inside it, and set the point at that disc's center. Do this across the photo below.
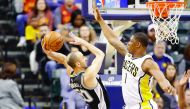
(138, 68)
(84, 79)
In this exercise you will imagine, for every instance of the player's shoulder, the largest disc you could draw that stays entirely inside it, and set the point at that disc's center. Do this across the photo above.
(148, 64)
(148, 61)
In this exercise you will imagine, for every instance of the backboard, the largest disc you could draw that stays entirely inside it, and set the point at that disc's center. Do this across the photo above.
(124, 9)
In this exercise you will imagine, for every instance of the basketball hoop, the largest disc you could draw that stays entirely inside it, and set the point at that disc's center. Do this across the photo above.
(165, 16)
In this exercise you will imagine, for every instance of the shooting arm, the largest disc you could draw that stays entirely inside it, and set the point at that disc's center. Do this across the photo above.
(91, 72)
(94, 68)
(60, 58)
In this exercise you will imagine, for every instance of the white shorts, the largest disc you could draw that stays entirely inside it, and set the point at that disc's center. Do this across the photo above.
(144, 105)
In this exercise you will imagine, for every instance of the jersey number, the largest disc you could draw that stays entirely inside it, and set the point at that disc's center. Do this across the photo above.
(86, 96)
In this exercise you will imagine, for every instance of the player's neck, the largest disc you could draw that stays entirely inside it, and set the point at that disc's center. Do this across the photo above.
(139, 53)
(78, 70)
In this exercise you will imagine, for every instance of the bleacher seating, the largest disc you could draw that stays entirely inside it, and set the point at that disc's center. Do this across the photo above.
(31, 87)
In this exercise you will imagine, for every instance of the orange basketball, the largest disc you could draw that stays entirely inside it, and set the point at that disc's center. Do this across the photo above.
(53, 41)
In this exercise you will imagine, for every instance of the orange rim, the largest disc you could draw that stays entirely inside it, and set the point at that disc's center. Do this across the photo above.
(163, 8)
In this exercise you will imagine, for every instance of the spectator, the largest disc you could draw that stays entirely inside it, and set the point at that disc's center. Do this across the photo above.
(10, 97)
(86, 34)
(40, 11)
(183, 93)
(63, 13)
(151, 37)
(77, 20)
(71, 99)
(43, 29)
(160, 57)
(187, 56)
(21, 19)
(31, 34)
(170, 101)
(40, 57)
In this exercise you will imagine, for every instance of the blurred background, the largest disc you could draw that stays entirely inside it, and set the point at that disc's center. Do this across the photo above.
(33, 81)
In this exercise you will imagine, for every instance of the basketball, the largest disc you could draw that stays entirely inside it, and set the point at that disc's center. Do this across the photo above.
(53, 41)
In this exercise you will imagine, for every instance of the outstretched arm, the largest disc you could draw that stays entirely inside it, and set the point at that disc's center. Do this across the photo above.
(91, 72)
(151, 67)
(181, 90)
(60, 58)
(109, 34)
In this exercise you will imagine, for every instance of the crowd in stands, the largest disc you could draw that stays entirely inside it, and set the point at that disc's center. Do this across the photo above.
(64, 16)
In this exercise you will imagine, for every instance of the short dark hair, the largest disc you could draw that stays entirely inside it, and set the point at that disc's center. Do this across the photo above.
(142, 38)
(74, 16)
(72, 59)
(8, 70)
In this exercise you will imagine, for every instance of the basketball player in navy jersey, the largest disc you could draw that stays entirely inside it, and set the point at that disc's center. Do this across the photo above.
(84, 79)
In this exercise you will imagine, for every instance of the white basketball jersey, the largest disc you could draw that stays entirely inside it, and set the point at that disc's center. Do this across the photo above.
(135, 83)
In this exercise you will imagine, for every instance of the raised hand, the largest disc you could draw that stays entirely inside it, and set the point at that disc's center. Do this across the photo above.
(96, 13)
(185, 78)
(76, 40)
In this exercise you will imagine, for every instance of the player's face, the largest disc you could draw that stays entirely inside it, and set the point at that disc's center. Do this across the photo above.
(41, 6)
(170, 71)
(131, 45)
(187, 97)
(159, 49)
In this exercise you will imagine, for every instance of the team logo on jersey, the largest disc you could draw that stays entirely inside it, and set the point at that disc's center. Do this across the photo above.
(130, 67)
(164, 65)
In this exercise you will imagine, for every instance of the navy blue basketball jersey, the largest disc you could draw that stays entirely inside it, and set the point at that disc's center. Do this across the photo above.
(96, 98)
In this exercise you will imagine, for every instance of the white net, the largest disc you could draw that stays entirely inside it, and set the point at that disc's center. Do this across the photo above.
(166, 17)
